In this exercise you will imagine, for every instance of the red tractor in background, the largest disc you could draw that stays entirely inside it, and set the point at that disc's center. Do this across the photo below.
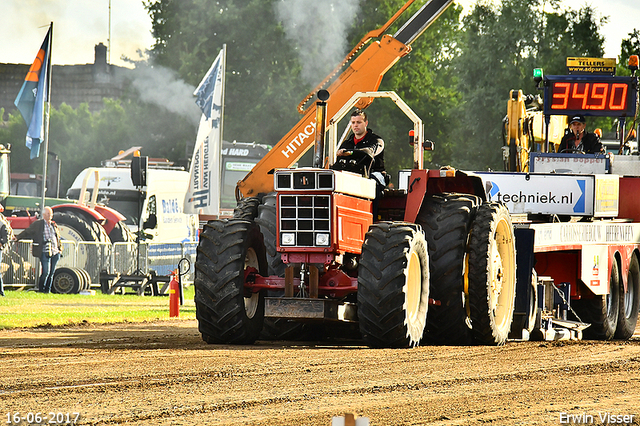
(78, 221)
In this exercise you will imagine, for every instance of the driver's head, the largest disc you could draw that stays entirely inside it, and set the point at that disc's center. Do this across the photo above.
(359, 123)
(577, 123)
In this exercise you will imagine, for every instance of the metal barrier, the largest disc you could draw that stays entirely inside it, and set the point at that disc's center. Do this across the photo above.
(68, 256)
(124, 259)
(93, 258)
(164, 258)
(20, 268)
(189, 252)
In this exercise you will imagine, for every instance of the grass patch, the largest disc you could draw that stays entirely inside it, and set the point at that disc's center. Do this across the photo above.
(24, 309)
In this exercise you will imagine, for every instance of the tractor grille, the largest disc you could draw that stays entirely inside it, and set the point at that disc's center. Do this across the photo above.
(305, 220)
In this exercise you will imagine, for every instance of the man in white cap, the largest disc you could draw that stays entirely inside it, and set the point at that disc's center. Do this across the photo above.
(578, 139)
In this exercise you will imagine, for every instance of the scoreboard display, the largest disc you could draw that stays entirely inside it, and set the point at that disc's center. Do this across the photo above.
(594, 95)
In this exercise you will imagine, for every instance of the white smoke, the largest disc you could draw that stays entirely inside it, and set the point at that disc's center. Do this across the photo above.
(318, 29)
(161, 86)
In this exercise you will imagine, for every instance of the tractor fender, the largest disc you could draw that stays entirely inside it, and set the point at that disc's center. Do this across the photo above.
(431, 182)
(111, 215)
(80, 209)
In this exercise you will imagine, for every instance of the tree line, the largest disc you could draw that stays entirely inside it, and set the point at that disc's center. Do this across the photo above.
(456, 78)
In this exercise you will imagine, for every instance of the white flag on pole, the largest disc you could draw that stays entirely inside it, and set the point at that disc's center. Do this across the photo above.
(204, 182)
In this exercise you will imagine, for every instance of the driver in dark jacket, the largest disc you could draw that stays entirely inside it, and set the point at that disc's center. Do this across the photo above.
(578, 139)
(370, 150)
(365, 141)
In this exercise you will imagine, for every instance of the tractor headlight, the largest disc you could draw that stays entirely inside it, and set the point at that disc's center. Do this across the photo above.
(288, 239)
(322, 239)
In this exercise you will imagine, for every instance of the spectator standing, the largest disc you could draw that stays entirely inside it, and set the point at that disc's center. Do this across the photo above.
(47, 247)
(6, 235)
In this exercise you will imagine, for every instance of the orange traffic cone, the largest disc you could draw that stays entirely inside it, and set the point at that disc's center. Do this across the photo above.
(174, 296)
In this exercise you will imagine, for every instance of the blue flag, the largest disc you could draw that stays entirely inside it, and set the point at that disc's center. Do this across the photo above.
(33, 94)
(204, 91)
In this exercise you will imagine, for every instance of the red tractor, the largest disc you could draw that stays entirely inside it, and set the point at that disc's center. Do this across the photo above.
(438, 264)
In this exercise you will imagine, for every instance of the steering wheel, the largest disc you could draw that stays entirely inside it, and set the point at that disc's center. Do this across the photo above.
(357, 161)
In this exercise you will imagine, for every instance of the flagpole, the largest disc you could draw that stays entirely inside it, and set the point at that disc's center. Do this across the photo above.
(46, 125)
(224, 71)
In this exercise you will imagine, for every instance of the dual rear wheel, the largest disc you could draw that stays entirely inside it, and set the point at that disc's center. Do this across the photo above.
(466, 264)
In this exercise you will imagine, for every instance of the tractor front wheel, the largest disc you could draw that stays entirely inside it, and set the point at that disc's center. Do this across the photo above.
(227, 252)
(393, 285)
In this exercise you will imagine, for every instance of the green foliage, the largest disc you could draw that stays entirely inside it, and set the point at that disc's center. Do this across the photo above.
(629, 46)
(426, 81)
(262, 84)
(501, 45)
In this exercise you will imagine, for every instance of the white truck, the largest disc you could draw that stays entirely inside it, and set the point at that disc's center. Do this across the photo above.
(159, 202)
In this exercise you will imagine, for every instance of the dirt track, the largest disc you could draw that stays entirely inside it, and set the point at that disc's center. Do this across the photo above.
(162, 373)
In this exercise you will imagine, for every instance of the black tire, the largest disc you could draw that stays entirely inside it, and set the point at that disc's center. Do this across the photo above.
(446, 220)
(267, 221)
(247, 208)
(601, 311)
(121, 234)
(224, 314)
(629, 302)
(66, 281)
(81, 277)
(526, 321)
(76, 228)
(491, 274)
(103, 237)
(87, 279)
(393, 285)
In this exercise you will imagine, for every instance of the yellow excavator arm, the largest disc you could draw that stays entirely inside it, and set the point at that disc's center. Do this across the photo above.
(364, 74)
(524, 128)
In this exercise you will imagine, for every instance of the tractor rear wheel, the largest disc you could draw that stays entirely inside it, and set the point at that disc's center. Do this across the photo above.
(226, 313)
(393, 285)
(491, 274)
(76, 228)
(267, 221)
(121, 234)
(629, 302)
(446, 220)
(247, 208)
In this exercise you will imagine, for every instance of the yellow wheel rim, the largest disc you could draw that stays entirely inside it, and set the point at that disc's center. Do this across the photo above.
(414, 286)
(502, 274)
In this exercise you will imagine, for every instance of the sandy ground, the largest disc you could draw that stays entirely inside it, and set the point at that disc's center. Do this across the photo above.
(164, 374)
